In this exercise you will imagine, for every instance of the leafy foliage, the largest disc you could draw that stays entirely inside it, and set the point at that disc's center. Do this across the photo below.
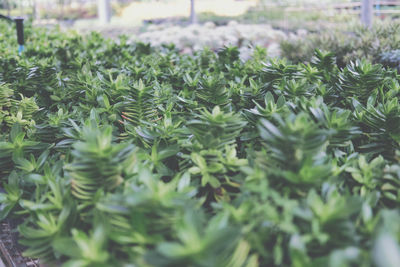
(97, 163)
(348, 43)
(117, 154)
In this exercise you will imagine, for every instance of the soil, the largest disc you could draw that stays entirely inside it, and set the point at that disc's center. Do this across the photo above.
(10, 251)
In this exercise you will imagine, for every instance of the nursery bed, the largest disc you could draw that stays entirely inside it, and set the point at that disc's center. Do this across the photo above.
(10, 252)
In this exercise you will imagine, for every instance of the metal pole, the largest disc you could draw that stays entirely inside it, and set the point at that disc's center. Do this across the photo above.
(104, 11)
(19, 22)
(366, 12)
(193, 17)
(378, 7)
(8, 7)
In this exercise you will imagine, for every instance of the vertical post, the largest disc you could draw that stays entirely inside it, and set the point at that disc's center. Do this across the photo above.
(34, 11)
(378, 7)
(193, 17)
(61, 16)
(21, 8)
(367, 7)
(19, 22)
(104, 11)
(8, 7)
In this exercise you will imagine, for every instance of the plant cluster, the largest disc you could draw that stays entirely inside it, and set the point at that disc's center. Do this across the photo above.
(391, 58)
(348, 43)
(117, 154)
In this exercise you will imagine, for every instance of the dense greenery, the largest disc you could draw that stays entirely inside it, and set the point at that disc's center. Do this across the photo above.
(114, 153)
(348, 43)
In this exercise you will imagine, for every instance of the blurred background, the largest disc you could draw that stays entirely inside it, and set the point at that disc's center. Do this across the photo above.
(284, 14)
(295, 27)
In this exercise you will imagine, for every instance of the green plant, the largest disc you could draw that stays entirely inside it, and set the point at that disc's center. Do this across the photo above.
(216, 129)
(390, 59)
(117, 154)
(348, 42)
(97, 165)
